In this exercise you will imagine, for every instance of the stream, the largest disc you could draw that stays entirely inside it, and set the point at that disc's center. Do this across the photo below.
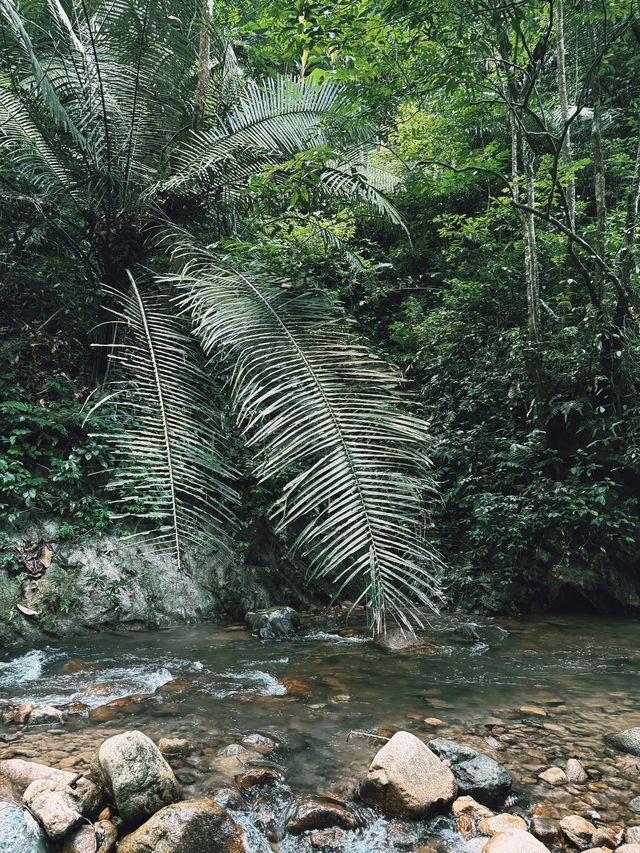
(529, 693)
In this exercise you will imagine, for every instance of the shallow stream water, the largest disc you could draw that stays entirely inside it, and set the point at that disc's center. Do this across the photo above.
(215, 685)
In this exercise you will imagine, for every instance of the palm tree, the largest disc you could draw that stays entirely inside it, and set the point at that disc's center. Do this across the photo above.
(97, 114)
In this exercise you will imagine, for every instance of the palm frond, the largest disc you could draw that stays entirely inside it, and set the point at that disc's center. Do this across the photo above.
(168, 446)
(269, 123)
(311, 401)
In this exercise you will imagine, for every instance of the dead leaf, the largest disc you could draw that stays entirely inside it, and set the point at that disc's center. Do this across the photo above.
(26, 611)
(47, 555)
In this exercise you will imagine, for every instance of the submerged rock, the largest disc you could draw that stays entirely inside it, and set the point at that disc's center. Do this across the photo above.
(274, 623)
(58, 806)
(626, 741)
(192, 826)
(175, 746)
(406, 779)
(19, 832)
(398, 640)
(553, 776)
(133, 770)
(575, 771)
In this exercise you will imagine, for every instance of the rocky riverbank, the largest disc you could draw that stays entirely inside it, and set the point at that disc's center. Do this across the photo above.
(135, 796)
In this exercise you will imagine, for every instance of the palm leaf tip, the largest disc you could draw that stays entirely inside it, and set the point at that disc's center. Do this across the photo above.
(310, 399)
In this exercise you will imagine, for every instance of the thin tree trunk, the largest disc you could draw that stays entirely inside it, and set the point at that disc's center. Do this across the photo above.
(533, 352)
(599, 185)
(204, 63)
(564, 112)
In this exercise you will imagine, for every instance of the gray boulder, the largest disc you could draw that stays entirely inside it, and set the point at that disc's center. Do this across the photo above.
(132, 769)
(19, 832)
(16, 775)
(274, 623)
(58, 806)
(483, 779)
(406, 779)
(626, 741)
(449, 750)
(191, 826)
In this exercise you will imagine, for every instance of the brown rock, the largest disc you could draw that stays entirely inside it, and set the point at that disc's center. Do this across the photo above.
(321, 813)
(544, 828)
(297, 686)
(608, 836)
(99, 838)
(257, 777)
(578, 831)
(502, 823)
(467, 805)
(16, 775)
(75, 665)
(22, 713)
(406, 779)
(175, 746)
(533, 710)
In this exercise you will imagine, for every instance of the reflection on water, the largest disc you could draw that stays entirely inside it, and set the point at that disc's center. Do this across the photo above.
(214, 685)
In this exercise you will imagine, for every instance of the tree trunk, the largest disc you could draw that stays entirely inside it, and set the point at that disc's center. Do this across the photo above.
(533, 349)
(564, 112)
(204, 63)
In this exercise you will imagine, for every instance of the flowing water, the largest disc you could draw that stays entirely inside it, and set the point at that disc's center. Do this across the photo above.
(316, 694)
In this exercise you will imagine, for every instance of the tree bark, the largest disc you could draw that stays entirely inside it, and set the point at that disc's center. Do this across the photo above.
(204, 63)
(564, 112)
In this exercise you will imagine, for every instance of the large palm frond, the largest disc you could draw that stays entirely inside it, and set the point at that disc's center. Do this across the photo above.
(168, 446)
(313, 402)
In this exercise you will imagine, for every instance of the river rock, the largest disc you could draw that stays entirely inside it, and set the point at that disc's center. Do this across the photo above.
(22, 713)
(258, 777)
(191, 826)
(578, 831)
(632, 835)
(397, 640)
(274, 623)
(259, 743)
(514, 842)
(483, 779)
(575, 771)
(321, 813)
(16, 775)
(19, 832)
(175, 746)
(99, 838)
(554, 776)
(502, 823)
(132, 769)
(626, 741)
(628, 848)
(406, 779)
(449, 750)
(45, 715)
(467, 805)
(58, 806)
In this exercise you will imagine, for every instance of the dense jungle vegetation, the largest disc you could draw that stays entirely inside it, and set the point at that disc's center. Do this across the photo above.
(265, 215)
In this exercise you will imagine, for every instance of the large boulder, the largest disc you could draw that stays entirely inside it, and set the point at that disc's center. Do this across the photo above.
(132, 769)
(58, 806)
(19, 832)
(16, 775)
(626, 741)
(46, 715)
(191, 826)
(274, 623)
(406, 779)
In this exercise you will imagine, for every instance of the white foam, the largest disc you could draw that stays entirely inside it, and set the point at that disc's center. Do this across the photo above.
(260, 683)
(27, 667)
(334, 638)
